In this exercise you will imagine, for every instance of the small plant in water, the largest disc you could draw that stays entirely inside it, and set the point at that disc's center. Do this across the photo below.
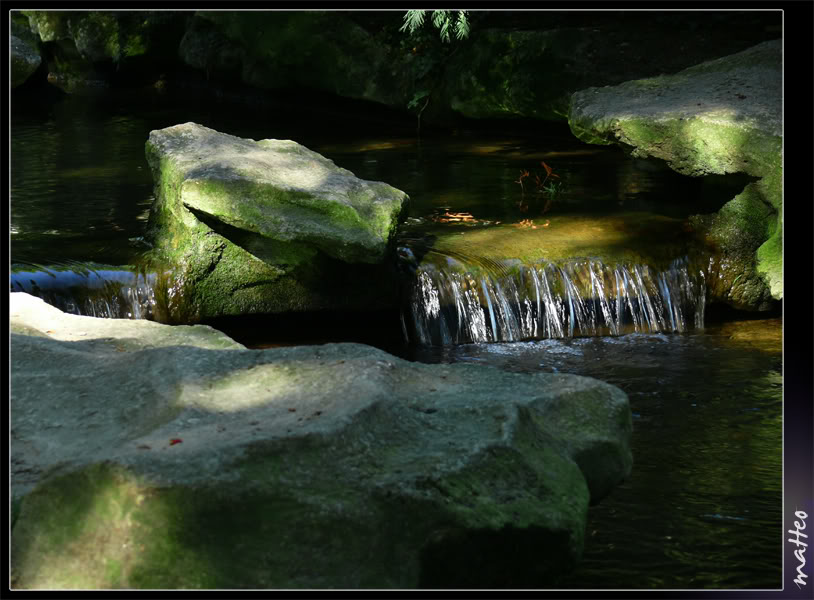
(546, 185)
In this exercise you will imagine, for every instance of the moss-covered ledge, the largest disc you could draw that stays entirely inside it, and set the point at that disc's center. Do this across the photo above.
(722, 116)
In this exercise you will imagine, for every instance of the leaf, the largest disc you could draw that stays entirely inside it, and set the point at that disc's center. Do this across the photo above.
(413, 19)
(445, 31)
(548, 169)
(418, 96)
(461, 25)
(439, 17)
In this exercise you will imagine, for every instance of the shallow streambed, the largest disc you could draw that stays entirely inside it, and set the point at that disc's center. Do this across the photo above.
(702, 507)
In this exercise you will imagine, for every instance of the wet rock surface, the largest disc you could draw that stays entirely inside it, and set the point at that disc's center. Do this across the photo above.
(719, 117)
(269, 226)
(25, 58)
(152, 456)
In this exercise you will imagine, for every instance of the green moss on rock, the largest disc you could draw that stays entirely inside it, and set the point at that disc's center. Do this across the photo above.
(719, 117)
(269, 226)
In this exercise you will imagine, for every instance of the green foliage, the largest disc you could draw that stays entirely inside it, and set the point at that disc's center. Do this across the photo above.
(417, 97)
(441, 19)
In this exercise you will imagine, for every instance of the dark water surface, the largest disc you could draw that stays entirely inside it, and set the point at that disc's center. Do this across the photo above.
(702, 506)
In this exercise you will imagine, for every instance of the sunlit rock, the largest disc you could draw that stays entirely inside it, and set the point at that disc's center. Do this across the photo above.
(722, 116)
(150, 456)
(269, 225)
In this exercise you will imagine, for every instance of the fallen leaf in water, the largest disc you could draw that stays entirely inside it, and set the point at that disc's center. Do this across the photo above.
(549, 171)
(449, 217)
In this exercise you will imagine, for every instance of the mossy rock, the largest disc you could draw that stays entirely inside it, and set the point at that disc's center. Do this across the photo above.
(217, 467)
(632, 237)
(269, 226)
(723, 116)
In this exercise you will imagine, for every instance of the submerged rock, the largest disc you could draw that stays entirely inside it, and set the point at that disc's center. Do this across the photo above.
(150, 456)
(722, 116)
(269, 226)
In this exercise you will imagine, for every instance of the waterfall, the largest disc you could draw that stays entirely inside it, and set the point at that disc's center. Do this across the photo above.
(89, 289)
(455, 300)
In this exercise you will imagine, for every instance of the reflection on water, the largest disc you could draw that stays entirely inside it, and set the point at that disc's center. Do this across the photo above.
(702, 507)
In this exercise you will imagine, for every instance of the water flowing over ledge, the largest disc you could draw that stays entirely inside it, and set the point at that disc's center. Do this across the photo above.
(455, 299)
(88, 289)
(448, 298)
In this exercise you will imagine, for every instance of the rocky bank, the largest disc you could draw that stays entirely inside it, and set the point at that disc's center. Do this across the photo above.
(151, 456)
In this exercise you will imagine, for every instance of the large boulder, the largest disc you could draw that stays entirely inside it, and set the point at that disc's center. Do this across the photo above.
(269, 226)
(151, 456)
(722, 116)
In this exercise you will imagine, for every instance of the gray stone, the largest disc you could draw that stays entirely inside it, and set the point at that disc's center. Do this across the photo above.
(25, 58)
(302, 467)
(269, 225)
(722, 116)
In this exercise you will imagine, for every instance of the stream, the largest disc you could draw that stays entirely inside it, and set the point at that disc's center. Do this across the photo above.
(702, 507)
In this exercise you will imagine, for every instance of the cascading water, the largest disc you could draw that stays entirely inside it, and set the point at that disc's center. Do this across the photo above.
(88, 289)
(455, 300)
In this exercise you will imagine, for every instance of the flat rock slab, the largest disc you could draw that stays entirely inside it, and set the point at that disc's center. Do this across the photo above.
(699, 119)
(722, 116)
(159, 457)
(278, 189)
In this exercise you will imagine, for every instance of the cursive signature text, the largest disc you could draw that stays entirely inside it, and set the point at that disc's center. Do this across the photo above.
(799, 554)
